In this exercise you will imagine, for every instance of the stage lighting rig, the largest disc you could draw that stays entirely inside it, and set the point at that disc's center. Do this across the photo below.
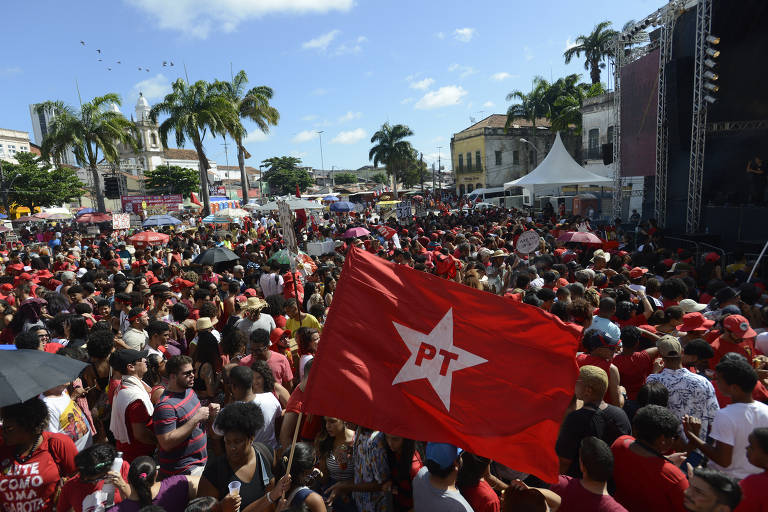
(710, 76)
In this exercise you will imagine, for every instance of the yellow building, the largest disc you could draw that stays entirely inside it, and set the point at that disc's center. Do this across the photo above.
(467, 150)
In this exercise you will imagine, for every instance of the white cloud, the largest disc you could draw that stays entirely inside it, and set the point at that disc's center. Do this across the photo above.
(349, 137)
(304, 136)
(199, 18)
(464, 71)
(153, 88)
(464, 35)
(569, 43)
(489, 104)
(320, 92)
(256, 136)
(440, 35)
(320, 42)
(527, 53)
(453, 67)
(443, 97)
(310, 117)
(498, 77)
(349, 116)
(10, 71)
(362, 39)
(437, 139)
(422, 85)
(406, 101)
(298, 154)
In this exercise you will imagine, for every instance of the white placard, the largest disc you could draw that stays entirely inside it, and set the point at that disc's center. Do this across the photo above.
(404, 210)
(121, 221)
(528, 242)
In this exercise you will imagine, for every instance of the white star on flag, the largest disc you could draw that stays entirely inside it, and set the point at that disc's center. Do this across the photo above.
(434, 357)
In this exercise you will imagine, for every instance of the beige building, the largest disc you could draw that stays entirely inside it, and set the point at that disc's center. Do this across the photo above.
(12, 142)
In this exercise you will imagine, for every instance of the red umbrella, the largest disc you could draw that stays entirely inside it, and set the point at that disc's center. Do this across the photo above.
(27, 218)
(148, 238)
(583, 237)
(94, 218)
(355, 232)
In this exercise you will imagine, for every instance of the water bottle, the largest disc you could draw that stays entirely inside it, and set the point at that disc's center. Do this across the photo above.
(108, 488)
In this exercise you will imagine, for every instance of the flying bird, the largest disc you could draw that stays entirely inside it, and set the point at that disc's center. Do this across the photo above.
(171, 63)
(99, 60)
(119, 62)
(99, 51)
(165, 63)
(109, 69)
(82, 43)
(139, 69)
(147, 70)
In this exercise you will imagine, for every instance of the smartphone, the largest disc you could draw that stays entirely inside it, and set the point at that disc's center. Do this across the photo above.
(694, 459)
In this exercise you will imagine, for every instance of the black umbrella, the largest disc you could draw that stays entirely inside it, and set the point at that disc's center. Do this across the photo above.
(25, 374)
(216, 255)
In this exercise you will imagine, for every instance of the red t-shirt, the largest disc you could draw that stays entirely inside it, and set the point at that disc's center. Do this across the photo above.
(722, 347)
(577, 499)
(754, 491)
(278, 363)
(646, 483)
(633, 370)
(135, 413)
(39, 476)
(482, 497)
(588, 359)
(311, 423)
(75, 491)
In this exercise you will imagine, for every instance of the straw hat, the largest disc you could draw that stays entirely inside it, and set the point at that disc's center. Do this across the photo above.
(205, 323)
(254, 303)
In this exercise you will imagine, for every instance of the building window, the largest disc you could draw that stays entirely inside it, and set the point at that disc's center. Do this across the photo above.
(609, 137)
(470, 188)
(461, 190)
(461, 163)
(478, 161)
(154, 139)
(469, 162)
(593, 150)
(515, 158)
(498, 157)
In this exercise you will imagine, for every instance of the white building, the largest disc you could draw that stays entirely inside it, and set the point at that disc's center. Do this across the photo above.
(40, 123)
(12, 142)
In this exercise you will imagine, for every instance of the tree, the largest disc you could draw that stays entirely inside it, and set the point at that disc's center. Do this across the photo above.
(343, 178)
(379, 177)
(35, 182)
(253, 105)
(415, 171)
(95, 127)
(172, 179)
(596, 47)
(567, 110)
(391, 150)
(193, 111)
(283, 174)
(531, 106)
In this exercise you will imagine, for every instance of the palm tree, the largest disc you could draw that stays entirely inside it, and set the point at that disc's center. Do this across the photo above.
(391, 150)
(566, 111)
(96, 127)
(532, 106)
(193, 111)
(595, 47)
(253, 105)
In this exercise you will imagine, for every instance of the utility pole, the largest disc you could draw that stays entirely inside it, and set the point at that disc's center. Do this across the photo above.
(226, 173)
(322, 164)
(421, 171)
(333, 184)
(439, 172)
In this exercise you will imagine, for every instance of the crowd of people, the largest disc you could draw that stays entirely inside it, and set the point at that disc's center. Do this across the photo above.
(193, 395)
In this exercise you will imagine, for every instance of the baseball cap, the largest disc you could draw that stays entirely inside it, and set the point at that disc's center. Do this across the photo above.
(738, 326)
(595, 339)
(637, 272)
(691, 306)
(122, 358)
(669, 346)
(444, 454)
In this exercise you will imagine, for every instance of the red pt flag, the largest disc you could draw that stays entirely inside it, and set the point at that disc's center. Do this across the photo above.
(425, 358)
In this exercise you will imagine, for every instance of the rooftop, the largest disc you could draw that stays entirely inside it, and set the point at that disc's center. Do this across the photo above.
(500, 120)
(180, 154)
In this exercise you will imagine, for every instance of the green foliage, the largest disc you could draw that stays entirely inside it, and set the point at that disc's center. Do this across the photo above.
(415, 171)
(283, 174)
(95, 127)
(391, 149)
(172, 180)
(343, 178)
(595, 47)
(380, 177)
(38, 183)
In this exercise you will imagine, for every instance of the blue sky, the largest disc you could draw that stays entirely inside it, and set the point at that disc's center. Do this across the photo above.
(341, 66)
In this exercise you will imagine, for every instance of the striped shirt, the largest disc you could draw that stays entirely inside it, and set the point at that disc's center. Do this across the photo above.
(171, 412)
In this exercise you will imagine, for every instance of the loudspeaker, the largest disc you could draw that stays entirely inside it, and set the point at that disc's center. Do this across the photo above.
(608, 153)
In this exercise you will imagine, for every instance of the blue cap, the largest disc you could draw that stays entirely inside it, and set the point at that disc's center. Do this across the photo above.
(444, 454)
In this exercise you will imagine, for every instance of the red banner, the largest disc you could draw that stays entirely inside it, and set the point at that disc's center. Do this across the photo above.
(156, 204)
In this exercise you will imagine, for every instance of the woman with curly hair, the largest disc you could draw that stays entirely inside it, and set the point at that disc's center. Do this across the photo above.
(144, 489)
(307, 339)
(207, 365)
(243, 461)
(333, 446)
(26, 446)
(93, 464)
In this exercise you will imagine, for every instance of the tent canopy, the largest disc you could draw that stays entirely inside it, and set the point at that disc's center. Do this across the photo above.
(558, 168)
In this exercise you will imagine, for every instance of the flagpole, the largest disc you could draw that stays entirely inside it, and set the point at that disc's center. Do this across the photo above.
(757, 262)
(293, 446)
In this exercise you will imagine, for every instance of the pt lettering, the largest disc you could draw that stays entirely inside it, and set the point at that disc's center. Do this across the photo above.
(428, 352)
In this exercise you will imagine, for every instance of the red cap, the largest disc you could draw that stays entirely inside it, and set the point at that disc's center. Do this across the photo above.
(694, 322)
(44, 274)
(637, 272)
(16, 266)
(711, 257)
(278, 333)
(250, 292)
(6, 287)
(739, 327)
(561, 282)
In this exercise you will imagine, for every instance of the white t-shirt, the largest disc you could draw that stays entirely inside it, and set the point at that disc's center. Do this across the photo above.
(303, 362)
(270, 408)
(732, 425)
(65, 417)
(247, 326)
(761, 343)
(271, 284)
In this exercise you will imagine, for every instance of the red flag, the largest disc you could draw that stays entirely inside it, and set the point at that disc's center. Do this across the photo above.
(194, 199)
(425, 358)
(298, 192)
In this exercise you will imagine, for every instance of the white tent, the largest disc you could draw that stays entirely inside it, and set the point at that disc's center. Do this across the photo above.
(558, 168)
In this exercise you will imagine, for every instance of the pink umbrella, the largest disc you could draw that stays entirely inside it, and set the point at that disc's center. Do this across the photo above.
(582, 237)
(94, 218)
(148, 238)
(355, 232)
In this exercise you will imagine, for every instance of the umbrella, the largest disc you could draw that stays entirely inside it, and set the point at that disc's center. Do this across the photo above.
(583, 237)
(331, 198)
(212, 219)
(3, 216)
(160, 220)
(4, 229)
(232, 212)
(27, 218)
(283, 257)
(342, 206)
(216, 255)
(355, 232)
(94, 218)
(25, 374)
(83, 211)
(418, 198)
(149, 238)
(294, 204)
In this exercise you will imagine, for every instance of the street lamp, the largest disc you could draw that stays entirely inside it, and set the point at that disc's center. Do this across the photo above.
(536, 161)
(322, 164)
(261, 173)
(333, 184)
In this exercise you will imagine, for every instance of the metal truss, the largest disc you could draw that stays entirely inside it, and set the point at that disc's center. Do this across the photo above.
(699, 118)
(617, 65)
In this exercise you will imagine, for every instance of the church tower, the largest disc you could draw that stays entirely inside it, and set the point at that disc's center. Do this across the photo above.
(151, 151)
